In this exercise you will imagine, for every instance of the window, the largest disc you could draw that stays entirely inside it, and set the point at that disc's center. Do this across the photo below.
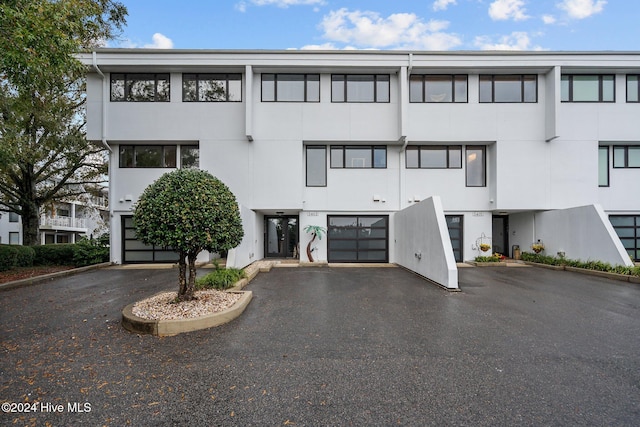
(509, 88)
(603, 166)
(633, 88)
(434, 157)
(438, 88)
(626, 156)
(147, 156)
(140, 87)
(212, 87)
(587, 88)
(360, 88)
(316, 166)
(476, 166)
(358, 156)
(14, 238)
(13, 217)
(627, 228)
(291, 87)
(189, 156)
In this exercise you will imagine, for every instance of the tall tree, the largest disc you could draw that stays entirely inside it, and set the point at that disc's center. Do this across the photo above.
(44, 155)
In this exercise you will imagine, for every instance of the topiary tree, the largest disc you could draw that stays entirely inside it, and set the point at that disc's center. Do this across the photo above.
(190, 211)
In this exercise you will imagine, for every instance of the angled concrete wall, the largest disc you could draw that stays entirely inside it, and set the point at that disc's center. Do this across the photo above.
(422, 242)
(583, 233)
(245, 253)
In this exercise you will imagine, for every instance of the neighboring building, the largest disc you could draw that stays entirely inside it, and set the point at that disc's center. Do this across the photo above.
(514, 147)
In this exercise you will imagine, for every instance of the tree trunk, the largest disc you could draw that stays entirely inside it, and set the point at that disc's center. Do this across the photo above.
(309, 248)
(182, 276)
(191, 283)
(30, 224)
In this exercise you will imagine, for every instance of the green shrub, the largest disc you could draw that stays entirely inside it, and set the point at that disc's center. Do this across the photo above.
(89, 252)
(589, 265)
(487, 259)
(220, 278)
(24, 256)
(8, 256)
(55, 254)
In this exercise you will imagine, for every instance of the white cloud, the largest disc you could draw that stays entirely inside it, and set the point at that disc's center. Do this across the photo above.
(548, 19)
(286, 3)
(501, 10)
(397, 31)
(241, 7)
(517, 40)
(160, 41)
(580, 9)
(442, 4)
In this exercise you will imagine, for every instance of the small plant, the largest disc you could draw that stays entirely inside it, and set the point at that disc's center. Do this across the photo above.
(537, 247)
(496, 257)
(484, 247)
(589, 265)
(220, 278)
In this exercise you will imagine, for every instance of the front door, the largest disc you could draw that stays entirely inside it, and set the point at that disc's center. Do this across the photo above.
(281, 237)
(500, 234)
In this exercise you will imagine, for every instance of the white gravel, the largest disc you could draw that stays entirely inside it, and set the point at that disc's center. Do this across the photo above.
(162, 307)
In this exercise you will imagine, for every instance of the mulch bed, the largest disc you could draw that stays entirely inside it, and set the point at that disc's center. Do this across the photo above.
(28, 272)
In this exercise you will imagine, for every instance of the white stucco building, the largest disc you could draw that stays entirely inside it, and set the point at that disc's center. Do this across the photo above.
(414, 158)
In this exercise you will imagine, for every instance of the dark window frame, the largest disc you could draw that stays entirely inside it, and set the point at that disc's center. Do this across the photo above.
(600, 88)
(127, 78)
(14, 217)
(608, 151)
(135, 147)
(345, 84)
(626, 156)
(637, 76)
(344, 149)
(483, 148)
(420, 148)
(358, 227)
(517, 77)
(197, 79)
(636, 233)
(315, 147)
(182, 157)
(423, 80)
(275, 86)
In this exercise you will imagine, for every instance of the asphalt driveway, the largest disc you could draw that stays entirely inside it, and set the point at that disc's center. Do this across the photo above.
(330, 346)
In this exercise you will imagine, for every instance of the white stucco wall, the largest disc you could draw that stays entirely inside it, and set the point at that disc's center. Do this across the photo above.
(423, 244)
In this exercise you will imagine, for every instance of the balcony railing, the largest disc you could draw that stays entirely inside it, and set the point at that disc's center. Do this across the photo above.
(62, 222)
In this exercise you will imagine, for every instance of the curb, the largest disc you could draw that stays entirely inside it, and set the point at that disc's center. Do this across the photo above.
(165, 328)
(37, 279)
(597, 273)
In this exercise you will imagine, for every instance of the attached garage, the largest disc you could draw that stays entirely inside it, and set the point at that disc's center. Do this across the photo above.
(133, 250)
(361, 238)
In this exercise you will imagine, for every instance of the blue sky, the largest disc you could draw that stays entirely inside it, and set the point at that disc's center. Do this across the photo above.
(383, 24)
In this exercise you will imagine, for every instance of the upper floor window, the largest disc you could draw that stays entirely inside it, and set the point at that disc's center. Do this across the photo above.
(189, 156)
(626, 156)
(587, 88)
(358, 156)
(603, 166)
(360, 87)
(509, 88)
(476, 173)
(147, 156)
(633, 88)
(140, 87)
(211, 87)
(291, 87)
(13, 217)
(316, 165)
(438, 88)
(434, 157)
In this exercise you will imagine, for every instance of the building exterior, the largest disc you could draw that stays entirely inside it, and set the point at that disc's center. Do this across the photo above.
(416, 158)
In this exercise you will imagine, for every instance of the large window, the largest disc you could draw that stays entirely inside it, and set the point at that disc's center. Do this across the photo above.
(476, 173)
(603, 166)
(587, 88)
(360, 88)
(211, 87)
(509, 88)
(140, 87)
(189, 156)
(633, 88)
(291, 87)
(316, 166)
(147, 156)
(438, 88)
(358, 156)
(434, 156)
(628, 230)
(626, 156)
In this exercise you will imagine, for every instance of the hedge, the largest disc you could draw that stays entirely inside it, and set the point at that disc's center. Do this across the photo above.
(55, 254)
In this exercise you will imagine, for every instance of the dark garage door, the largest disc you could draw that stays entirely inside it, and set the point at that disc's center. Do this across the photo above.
(133, 250)
(362, 238)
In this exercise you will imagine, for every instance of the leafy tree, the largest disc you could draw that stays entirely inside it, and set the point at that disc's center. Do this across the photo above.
(44, 155)
(188, 210)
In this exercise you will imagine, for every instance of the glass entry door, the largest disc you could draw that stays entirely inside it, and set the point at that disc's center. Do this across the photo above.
(281, 237)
